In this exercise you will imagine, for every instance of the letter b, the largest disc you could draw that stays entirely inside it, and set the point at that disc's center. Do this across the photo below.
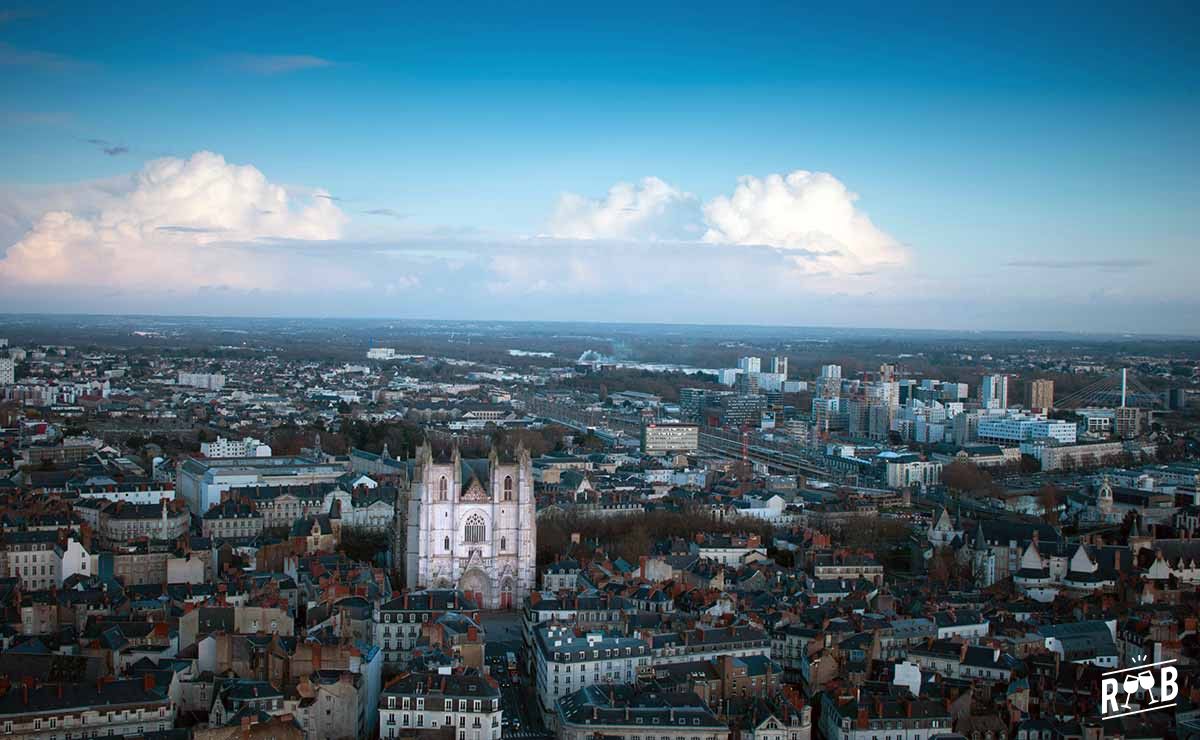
(1168, 686)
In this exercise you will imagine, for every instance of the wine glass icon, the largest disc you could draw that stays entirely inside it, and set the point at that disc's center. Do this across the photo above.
(1146, 681)
(1130, 684)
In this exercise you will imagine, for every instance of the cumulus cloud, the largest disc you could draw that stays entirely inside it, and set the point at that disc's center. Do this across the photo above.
(176, 223)
(809, 211)
(810, 217)
(651, 209)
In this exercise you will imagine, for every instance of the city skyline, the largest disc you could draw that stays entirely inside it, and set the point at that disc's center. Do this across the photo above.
(963, 170)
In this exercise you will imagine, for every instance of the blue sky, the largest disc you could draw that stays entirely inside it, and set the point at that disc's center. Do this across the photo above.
(1044, 156)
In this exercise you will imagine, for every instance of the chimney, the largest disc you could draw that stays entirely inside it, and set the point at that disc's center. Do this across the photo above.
(148, 682)
(642, 560)
(862, 722)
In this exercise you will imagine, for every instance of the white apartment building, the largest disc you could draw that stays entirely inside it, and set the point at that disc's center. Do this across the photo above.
(247, 447)
(434, 701)
(7, 371)
(750, 364)
(33, 557)
(567, 663)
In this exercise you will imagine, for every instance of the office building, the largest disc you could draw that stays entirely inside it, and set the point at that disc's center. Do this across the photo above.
(779, 364)
(741, 408)
(692, 402)
(207, 381)
(1041, 394)
(660, 439)
(1017, 428)
(201, 482)
(993, 392)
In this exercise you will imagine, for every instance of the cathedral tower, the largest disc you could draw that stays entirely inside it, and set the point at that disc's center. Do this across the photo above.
(471, 524)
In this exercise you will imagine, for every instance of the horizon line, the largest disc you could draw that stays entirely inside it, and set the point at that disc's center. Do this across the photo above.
(1112, 335)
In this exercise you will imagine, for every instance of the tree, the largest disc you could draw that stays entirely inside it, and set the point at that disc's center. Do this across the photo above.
(1050, 498)
(1029, 465)
(965, 477)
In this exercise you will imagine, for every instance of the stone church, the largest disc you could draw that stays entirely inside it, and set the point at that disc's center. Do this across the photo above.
(469, 524)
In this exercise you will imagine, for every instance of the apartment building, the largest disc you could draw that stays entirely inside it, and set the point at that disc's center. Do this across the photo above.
(415, 702)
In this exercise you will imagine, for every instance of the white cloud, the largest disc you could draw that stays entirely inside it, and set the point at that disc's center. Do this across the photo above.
(651, 209)
(175, 224)
(276, 64)
(811, 211)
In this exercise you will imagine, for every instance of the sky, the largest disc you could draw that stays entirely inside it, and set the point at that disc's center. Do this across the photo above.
(878, 164)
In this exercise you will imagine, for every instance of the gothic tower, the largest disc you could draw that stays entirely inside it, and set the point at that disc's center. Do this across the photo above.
(470, 524)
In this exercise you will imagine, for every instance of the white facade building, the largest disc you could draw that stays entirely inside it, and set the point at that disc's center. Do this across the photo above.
(567, 663)
(208, 381)
(750, 364)
(415, 702)
(248, 447)
(1017, 428)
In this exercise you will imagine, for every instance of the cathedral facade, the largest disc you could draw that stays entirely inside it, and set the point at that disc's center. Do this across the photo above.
(469, 524)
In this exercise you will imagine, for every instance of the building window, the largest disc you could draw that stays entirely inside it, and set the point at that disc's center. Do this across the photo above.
(443, 487)
(503, 543)
(446, 544)
(508, 488)
(475, 531)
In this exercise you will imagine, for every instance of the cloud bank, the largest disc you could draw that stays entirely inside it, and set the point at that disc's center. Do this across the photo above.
(201, 235)
(170, 224)
(650, 210)
(811, 215)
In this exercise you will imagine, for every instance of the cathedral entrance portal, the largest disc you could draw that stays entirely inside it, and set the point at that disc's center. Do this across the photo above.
(474, 584)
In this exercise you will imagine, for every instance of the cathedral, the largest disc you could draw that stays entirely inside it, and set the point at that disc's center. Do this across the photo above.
(468, 524)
